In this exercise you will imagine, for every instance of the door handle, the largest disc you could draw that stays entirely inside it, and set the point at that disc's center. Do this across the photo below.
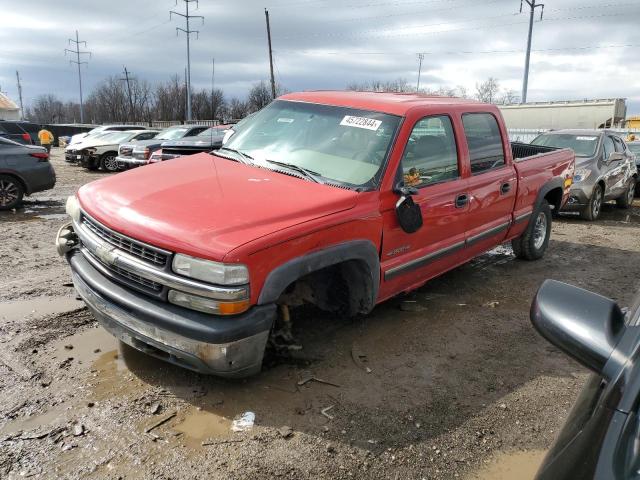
(462, 200)
(505, 188)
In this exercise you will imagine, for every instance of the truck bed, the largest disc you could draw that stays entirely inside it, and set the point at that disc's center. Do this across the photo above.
(525, 151)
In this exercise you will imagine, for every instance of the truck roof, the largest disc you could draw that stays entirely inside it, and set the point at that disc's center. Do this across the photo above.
(385, 102)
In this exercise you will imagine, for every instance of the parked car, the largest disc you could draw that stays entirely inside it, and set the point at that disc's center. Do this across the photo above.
(205, 141)
(20, 131)
(634, 148)
(135, 155)
(24, 169)
(599, 440)
(318, 198)
(102, 151)
(78, 137)
(72, 152)
(605, 169)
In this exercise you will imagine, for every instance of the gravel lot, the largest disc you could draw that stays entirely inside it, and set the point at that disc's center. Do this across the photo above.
(450, 384)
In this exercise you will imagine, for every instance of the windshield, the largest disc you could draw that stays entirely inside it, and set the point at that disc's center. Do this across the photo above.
(171, 134)
(340, 144)
(582, 145)
(214, 131)
(117, 137)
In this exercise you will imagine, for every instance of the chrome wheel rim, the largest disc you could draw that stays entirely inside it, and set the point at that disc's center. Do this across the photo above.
(597, 201)
(540, 231)
(8, 192)
(110, 164)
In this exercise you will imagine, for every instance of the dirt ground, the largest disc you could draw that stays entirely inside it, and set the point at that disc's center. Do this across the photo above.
(450, 382)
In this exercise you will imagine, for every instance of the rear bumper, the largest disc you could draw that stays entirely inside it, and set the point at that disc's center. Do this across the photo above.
(41, 178)
(222, 346)
(128, 162)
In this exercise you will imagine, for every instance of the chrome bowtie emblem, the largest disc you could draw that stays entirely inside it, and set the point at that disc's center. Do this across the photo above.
(106, 254)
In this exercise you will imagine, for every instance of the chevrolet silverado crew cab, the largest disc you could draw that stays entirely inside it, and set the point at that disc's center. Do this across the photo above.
(338, 199)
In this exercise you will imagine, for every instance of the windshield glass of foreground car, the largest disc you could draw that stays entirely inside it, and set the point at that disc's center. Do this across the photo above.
(582, 145)
(341, 144)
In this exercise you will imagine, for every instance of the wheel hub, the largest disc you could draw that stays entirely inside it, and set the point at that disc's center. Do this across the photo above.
(540, 231)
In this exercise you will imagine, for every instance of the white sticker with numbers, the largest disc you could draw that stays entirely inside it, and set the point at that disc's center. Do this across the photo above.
(361, 122)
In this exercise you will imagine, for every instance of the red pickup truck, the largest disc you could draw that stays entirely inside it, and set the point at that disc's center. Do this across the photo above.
(339, 199)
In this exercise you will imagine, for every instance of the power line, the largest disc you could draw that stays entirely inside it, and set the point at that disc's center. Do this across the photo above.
(78, 52)
(188, 33)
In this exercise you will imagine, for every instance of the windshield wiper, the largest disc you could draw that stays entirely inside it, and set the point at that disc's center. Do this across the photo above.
(310, 174)
(248, 159)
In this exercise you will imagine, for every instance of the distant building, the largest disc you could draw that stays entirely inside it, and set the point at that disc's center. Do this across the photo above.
(599, 113)
(632, 123)
(8, 109)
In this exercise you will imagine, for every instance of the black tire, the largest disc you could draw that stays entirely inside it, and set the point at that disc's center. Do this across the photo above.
(91, 165)
(108, 162)
(11, 192)
(626, 200)
(594, 207)
(534, 241)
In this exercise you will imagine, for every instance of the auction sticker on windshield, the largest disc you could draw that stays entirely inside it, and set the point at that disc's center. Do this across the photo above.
(587, 139)
(361, 122)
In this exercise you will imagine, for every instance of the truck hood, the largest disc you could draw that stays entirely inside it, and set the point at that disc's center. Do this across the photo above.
(207, 206)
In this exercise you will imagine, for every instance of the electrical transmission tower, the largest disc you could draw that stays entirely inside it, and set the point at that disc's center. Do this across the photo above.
(128, 79)
(532, 6)
(77, 61)
(20, 95)
(188, 33)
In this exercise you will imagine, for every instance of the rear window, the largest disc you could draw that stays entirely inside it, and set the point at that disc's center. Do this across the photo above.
(12, 128)
(582, 145)
(486, 151)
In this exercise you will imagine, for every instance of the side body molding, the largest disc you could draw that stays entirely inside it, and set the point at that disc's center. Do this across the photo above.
(360, 250)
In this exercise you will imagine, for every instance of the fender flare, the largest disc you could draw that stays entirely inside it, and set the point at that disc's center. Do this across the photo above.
(556, 182)
(282, 276)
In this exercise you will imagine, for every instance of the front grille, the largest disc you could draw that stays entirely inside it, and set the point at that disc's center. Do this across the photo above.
(137, 249)
(155, 286)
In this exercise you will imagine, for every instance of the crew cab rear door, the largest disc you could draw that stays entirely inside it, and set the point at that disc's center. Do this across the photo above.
(492, 184)
(431, 164)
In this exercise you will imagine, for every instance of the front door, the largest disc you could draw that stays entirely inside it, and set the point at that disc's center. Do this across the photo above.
(430, 164)
(492, 184)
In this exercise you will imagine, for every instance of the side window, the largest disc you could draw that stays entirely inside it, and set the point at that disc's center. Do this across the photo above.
(431, 155)
(484, 140)
(619, 144)
(609, 147)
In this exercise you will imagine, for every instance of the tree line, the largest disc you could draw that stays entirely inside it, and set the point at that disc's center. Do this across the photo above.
(115, 101)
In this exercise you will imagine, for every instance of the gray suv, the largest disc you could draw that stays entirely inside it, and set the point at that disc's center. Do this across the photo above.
(605, 169)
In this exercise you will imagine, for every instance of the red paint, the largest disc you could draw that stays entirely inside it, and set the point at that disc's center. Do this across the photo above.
(214, 208)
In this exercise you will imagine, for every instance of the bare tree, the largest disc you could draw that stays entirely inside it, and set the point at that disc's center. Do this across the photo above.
(259, 96)
(237, 109)
(399, 85)
(487, 91)
(170, 101)
(509, 97)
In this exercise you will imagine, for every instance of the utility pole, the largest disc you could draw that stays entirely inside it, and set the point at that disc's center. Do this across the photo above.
(20, 96)
(77, 61)
(188, 33)
(532, 7)
(126, 79)
(213, 73)
(273, 81)
(420, 58)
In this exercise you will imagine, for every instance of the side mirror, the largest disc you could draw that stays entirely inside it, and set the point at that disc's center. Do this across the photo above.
(584, 325)
(408, 212)
(615, 157)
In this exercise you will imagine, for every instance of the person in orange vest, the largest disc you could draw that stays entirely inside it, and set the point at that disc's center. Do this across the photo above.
(46, 138)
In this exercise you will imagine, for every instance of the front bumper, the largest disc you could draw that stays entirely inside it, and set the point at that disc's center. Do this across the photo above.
(224, 346)
(72, 157)
(129, 162)
(578, 198)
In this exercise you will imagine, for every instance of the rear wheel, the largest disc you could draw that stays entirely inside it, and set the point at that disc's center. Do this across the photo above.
(108, 162)
(626, 200)
(534, 241)
(11, 192)
(592, 210)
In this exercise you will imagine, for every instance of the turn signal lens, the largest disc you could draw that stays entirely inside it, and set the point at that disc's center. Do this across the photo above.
(207, 305)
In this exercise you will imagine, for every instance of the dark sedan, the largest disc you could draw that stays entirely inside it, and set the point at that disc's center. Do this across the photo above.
(24, 169)
(601, 438)
(205, 141)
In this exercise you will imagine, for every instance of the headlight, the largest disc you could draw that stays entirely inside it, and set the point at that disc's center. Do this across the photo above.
(581, 175)
(73, 208)
(207, 305)
(208, 271)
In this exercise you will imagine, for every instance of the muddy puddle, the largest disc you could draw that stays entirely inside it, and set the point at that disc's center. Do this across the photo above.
(37, 307)
(35, 423)
(37, 210)
(511, 466)
(199, 426)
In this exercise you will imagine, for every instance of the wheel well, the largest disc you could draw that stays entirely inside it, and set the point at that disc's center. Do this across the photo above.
(554, 198)
(346, 288)
(108, 153)
(16, 177)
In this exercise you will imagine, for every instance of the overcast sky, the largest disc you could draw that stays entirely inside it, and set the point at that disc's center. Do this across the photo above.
(581, 48)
